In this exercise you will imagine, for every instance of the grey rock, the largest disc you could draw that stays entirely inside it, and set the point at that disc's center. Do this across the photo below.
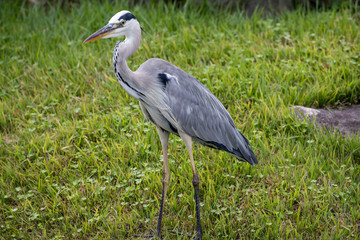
(345, 120)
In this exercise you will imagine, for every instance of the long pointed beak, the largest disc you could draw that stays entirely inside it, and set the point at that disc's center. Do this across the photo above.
(100, 33)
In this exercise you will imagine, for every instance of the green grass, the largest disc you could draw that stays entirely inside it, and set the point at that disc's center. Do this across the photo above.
(78, 161)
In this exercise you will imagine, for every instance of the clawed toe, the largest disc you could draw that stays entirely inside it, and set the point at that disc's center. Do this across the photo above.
(198, 236)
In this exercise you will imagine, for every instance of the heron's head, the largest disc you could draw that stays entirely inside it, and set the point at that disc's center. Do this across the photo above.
(121, 24)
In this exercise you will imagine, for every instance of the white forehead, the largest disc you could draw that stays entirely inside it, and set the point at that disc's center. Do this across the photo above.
(115, 18)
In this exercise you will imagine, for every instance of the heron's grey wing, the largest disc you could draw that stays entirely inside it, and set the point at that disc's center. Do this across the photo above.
(201, 115)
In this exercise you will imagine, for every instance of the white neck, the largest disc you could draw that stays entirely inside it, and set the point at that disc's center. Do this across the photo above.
(123, 50)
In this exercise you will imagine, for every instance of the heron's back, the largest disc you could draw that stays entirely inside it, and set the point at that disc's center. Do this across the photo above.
(197, 111)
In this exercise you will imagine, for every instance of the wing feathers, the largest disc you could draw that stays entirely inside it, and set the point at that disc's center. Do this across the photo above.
(192, 108)
(201, 115)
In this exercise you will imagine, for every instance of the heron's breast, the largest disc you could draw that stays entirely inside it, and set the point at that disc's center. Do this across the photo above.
(156, 118)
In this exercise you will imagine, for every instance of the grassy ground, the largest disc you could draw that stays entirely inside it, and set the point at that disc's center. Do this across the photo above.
(78, 161)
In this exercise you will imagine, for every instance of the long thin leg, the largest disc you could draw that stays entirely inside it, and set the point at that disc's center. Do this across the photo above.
(164, 138)
(188, 143)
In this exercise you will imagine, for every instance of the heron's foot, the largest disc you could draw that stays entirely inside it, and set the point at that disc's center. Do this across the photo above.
(198, 236)
(155, 236)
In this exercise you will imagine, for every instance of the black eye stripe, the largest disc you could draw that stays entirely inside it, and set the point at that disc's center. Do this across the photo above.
(127, 17)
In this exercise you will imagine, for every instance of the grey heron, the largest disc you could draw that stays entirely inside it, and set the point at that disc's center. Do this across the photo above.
(175, 102)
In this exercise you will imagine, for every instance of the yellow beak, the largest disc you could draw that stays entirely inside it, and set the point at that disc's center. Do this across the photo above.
(100, 33)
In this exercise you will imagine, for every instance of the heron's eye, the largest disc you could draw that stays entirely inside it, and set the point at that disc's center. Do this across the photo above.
(122, 22)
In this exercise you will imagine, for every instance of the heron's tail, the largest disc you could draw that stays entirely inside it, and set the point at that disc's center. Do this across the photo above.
(240, 147)
(244, 152)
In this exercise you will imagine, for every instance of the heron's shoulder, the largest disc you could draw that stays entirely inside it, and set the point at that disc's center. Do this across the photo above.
(157, 65)
(157, 61)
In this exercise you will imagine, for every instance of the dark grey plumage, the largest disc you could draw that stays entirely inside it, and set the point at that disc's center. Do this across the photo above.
(175, 102)
(199, 113)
